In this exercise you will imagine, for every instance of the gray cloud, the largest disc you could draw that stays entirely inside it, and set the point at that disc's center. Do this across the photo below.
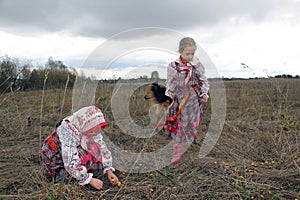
(95, 18)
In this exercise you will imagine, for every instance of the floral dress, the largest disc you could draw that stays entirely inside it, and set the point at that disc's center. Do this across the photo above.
(188, 83)
(77, 146)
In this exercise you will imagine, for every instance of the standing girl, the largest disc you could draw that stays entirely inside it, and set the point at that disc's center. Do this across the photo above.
(187, 85)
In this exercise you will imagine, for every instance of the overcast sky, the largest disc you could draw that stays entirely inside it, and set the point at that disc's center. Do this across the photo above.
(263, 34)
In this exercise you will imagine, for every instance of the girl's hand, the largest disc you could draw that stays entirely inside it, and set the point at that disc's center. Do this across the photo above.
(112, 177)
(170, 94)
(96, 183)
(205, 98)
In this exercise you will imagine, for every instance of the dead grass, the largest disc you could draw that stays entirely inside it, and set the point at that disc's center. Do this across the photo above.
(256, 157)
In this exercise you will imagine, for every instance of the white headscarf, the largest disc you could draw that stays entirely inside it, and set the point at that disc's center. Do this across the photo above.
(87, 120)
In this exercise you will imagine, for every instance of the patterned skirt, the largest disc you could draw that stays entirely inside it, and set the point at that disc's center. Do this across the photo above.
(51, 158)
(183, 117)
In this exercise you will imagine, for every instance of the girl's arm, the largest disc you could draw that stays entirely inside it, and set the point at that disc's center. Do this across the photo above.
(202, 78)
(105, 153)
(69, 137)
(170, 83)
(106, 159)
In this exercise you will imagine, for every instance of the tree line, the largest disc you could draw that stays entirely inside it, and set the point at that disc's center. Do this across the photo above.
(20, 75)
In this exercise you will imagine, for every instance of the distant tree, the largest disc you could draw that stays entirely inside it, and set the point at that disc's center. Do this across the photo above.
(57, 75)
(284, 76)
(8, 73)
(36, 79)
(55, 64)
(24, 76)
(14, 75)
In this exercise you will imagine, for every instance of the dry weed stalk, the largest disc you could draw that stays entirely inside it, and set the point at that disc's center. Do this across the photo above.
(42, 104)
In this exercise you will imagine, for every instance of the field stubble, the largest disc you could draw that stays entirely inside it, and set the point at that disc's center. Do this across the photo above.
(256, 157)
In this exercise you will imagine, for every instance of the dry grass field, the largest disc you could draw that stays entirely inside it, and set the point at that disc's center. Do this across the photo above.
(256, 157)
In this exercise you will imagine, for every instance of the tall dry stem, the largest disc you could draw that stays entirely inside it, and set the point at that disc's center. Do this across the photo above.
(42, 104)
(64, 97)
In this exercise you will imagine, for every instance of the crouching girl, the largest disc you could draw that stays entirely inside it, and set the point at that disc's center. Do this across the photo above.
(76, 146)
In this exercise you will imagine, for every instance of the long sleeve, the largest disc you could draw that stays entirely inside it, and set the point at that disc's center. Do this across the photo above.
(200, 71)
(170, 83)
(105, 153)
(70, 138)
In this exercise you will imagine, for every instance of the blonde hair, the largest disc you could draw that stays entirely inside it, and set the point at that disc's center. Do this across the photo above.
(186, 42)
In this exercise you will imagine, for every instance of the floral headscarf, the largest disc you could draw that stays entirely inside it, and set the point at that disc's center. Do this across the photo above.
(87, 120)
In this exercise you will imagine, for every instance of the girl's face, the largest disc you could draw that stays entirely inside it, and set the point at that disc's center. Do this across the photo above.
(188, 53)
(96, 131)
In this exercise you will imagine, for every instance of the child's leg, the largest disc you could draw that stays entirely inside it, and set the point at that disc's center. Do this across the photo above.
(195, 137)
(60, 176)
(194, 126)
(177, 151)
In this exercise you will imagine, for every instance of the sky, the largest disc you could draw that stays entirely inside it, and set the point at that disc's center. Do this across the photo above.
(131, 38)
